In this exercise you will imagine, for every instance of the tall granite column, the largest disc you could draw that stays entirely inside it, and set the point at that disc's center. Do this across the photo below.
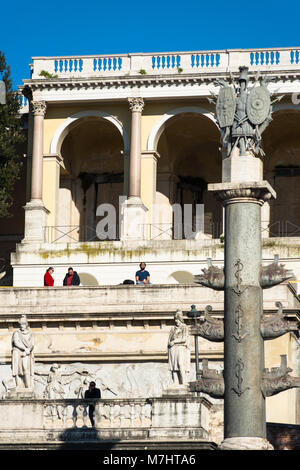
(134, 211)
(243, 114)
(244, 401)
(35, 211)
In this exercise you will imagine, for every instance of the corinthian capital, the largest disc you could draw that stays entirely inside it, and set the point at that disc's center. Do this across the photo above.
(38, 108)
(136, 104)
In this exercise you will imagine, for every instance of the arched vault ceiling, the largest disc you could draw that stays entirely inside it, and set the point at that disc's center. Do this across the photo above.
(281, 140)
(190, 146)
(93, 146)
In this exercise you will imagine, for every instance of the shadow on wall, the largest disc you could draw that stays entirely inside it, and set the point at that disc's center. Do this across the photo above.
(84, 439)
(87, 279)
(181, 277)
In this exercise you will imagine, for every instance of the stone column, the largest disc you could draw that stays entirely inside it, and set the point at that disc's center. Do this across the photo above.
(38, 111)
(134, 211)
(35, 211)
(136, 105)
(244, 401)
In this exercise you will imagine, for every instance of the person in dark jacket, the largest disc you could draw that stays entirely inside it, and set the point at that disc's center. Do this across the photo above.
(71, 278)
(92, 392)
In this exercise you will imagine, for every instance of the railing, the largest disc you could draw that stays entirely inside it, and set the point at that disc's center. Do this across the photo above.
(24, 104)
(77, 233)
(38, 420)
(121, 413)
(168, 62)
(159, 231)
(154, 231)
(282, 228)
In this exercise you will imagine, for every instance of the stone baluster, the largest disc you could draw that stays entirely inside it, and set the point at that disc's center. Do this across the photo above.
(111, 415)
(132, 414)
(75, 415)
(85, 414)
(122, 415)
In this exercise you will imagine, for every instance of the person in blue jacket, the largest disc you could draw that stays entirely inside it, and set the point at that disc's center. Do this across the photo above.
(142, 277)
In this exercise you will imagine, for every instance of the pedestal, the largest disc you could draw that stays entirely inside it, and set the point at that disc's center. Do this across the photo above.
(35, 221)
(134, 216)
(237, 168)
(183, 417)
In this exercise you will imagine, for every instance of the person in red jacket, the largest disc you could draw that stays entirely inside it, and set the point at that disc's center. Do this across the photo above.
(48, 279)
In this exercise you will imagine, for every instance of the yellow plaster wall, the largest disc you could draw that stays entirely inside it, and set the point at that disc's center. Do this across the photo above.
(50, 187)
(281, 408)
(148, 178)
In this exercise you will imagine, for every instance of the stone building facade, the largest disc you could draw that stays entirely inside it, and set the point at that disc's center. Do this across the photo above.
(140, 127)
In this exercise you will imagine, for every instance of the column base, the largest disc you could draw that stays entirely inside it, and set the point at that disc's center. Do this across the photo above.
(35, 221)
(245, 443)
(134, 214)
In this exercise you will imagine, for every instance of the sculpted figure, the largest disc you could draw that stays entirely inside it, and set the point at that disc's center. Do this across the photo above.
(22, 355)
(54, 388)
(243, 113)
(179, 350)
(212, 277)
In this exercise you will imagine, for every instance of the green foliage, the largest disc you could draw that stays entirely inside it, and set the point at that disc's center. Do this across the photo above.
(143, 72)
(180, 70)
(46, 74)
(11, 136)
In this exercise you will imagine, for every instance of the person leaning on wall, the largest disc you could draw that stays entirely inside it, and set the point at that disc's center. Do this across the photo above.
(71, 278)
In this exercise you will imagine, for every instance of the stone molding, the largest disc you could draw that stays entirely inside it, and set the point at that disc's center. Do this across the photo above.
(254, 192)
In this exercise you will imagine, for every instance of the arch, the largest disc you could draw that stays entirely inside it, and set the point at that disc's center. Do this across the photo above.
(87, 279)
(63, 130)
(159, 127)
(180, 277)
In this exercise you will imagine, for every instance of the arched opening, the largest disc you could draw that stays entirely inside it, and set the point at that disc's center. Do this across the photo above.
(190, 159)
(281, 143)
(87, 279)
(181, 277)
(93, 174)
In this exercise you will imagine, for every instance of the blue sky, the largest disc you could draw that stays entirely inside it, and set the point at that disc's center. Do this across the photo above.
(75, 27)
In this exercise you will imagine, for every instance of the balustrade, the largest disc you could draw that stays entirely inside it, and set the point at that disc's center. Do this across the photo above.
(121, 413)
(173, 62)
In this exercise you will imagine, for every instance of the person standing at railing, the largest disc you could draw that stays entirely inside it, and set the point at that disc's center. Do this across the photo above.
(142, 277)
(48, 279)
(92, 392)
(71, 278)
